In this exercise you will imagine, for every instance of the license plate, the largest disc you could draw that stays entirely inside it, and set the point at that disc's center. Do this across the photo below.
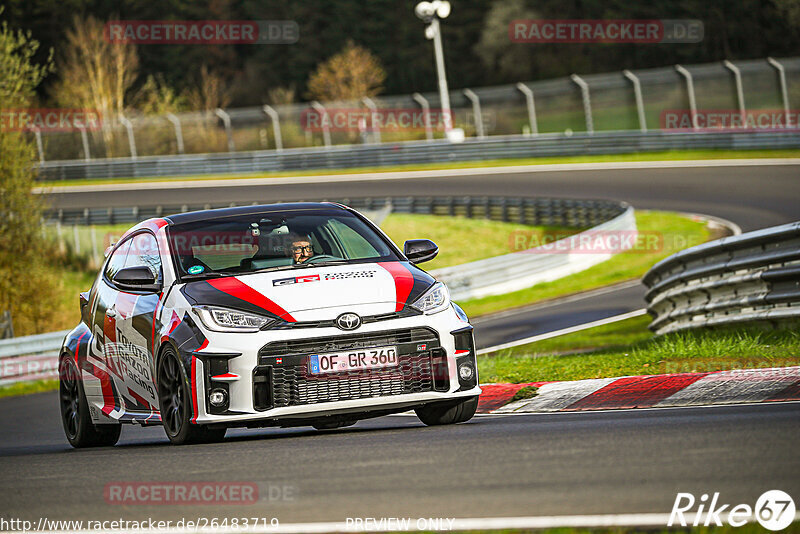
(353, 360)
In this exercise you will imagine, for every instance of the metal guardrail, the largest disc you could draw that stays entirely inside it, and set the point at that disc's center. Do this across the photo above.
(414, 152)
(35, 357)
(30, 358)
(531, 211)
(749, 277)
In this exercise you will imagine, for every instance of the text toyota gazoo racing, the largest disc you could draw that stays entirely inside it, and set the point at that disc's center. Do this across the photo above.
(275, 315)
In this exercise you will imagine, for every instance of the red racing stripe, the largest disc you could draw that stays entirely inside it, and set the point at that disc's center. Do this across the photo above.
(78, 350)
(635, 392)
(236, 288)
(403, 281)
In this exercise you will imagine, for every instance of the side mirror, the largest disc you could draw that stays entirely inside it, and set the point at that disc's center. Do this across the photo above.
(139, 278)
(420, 250)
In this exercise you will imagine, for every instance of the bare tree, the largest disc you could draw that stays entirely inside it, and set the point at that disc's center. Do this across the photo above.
(211, 93)
(351, 74)
(94, 71)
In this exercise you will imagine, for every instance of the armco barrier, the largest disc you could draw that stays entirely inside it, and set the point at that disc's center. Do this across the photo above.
(30, 357)
(749, 277)
(35, 357)
(414, 152)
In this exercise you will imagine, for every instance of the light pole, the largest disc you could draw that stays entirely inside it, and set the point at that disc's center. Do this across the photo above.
(431, 13)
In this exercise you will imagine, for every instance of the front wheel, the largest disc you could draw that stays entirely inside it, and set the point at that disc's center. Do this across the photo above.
(175, 404)
(448, 412)
(78, 426)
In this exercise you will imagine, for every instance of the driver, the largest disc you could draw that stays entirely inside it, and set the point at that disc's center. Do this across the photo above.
(301, 248)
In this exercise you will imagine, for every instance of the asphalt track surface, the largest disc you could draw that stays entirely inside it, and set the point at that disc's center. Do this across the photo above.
(494, 466)
(534, 465)
(752, 196)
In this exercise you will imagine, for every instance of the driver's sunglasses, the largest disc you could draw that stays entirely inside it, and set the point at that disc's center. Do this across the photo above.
(307, 248)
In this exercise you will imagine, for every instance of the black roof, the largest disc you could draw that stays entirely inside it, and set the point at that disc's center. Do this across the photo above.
(206, 215)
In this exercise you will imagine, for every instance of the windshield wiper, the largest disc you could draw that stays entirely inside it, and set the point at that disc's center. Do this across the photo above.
(202, 276)
(318, 264)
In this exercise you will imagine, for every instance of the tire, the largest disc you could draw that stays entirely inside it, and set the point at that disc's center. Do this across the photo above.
(75, 418)
(447, 413)
(174, 401)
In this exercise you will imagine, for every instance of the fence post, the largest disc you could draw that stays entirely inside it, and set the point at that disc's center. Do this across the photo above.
(129, 127)
(6, 326)
(376, 132)
(531, 105)
(476, 112)
(326, 131)
(689, 89)
(76, 238)
(226, 120)
(737, 76)
(95, 256)
(176, 122)
(276, 126)
(85, 140)
(426, 111)
(637, 94)
(39, 146)
(784, 91)
(587, 103)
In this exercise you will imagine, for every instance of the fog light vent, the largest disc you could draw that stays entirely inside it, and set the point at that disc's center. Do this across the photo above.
(218, 397)
(465, 371)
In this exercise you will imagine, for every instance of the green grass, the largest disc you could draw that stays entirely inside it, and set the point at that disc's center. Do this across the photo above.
(628, 348)
(678, 232)
(26, 388)
(460, 240)
(674, 155)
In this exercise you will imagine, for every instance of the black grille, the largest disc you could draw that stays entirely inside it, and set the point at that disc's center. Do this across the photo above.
(319, 345)
(293, 384)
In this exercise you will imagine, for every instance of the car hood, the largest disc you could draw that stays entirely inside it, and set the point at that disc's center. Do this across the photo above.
(316, 293)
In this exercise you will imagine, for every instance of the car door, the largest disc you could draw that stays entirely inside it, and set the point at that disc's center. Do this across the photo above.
(135, 325)
(101, 372)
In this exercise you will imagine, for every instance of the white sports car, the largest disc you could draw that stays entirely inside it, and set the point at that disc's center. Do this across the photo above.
(275, 315)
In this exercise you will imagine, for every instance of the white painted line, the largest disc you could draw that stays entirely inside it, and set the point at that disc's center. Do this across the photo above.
(449, 524)
(558, 301)
(407, 175)
(563, 331)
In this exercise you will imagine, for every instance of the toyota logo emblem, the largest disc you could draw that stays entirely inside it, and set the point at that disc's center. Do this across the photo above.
(348, 321)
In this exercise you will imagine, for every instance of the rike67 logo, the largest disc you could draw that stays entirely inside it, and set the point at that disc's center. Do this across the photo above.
(774, 510)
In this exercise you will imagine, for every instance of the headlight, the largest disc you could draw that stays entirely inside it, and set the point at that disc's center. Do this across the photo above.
(226, 320)
(434, 300)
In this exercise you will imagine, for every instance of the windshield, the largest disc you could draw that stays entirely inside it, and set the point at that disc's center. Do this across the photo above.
(274, 241)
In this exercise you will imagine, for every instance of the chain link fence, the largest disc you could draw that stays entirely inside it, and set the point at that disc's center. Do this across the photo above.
(618, 101)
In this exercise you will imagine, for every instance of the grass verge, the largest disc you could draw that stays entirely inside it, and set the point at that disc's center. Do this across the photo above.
(673, 232)
(627, 348)
(457, 237)
(26, 388)
(673, 155)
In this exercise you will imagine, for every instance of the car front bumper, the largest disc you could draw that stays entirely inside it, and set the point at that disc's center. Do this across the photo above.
(265, 379)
